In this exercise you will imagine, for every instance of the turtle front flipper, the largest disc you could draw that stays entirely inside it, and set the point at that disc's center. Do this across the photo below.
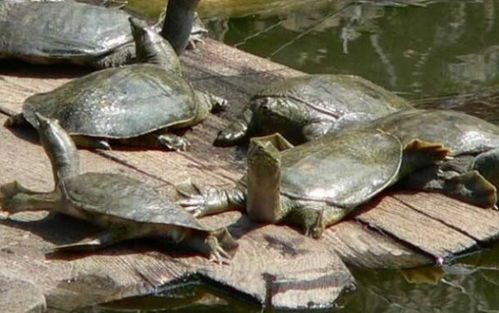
(210, 201)
(236, 132)
(263, 179)
(97, 241)
(16, 198)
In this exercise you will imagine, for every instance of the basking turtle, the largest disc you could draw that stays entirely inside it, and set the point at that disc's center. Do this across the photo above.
(67, 31)
(318, 183)
(307, 107)
(126, 104)
(473, 173)
(127, 208)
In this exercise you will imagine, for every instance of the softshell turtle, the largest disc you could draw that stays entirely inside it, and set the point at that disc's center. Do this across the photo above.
(127, 208)
(124, 104)
(318, 183)
(67, 31)
(473, 173)
(307, 107)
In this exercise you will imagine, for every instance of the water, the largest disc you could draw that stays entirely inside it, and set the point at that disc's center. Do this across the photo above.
(420, 52)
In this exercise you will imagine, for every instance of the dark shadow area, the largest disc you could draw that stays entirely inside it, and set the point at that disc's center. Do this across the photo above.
(11, 67)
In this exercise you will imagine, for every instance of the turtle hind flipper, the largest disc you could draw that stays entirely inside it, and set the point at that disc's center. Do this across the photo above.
(472, 187)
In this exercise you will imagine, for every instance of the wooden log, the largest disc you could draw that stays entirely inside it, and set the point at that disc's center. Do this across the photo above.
(275, 265)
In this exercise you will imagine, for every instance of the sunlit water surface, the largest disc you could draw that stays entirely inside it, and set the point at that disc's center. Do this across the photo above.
(425, 52)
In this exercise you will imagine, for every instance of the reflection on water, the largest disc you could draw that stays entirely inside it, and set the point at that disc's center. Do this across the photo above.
(471, 285)
(442, 49)
(438, 49)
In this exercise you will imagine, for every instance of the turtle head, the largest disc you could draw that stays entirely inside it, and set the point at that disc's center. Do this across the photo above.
(150, 47)
(59, 147)
(264, 178)
(272, 114)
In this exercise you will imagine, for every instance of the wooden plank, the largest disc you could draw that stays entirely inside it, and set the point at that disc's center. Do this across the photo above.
(480, 224)
(391, 216)
(362, 247)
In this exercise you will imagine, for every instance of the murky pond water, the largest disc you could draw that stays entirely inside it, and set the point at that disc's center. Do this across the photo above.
(420, 52)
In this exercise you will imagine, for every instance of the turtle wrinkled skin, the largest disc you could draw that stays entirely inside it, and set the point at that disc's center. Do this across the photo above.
(316, 184)
(473, 173)
(307, 107)
(125, 207)
(46, 32)
(135, 105)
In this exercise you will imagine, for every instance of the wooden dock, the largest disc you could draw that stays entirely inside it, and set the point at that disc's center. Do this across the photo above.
(275, 266)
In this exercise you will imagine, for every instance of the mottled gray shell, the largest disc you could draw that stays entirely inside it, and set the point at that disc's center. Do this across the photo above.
(125, 198)
(39, 31)
(118, 102)
(338, 95)
(345, 171)
(462, 133)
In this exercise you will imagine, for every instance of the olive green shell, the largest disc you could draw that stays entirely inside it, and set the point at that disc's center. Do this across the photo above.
(125, 199)
(44, 32)
(462, 133)
(338, 96)
(344, 170)
(118, 102)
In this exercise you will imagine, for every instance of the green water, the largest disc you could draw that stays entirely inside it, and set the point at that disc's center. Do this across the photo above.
(419, 52)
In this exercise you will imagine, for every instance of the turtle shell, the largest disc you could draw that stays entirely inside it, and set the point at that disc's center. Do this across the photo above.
(344, 170)
(124, 198)
(43, 31)
(462, 133)
(118, 102)
(337, 96)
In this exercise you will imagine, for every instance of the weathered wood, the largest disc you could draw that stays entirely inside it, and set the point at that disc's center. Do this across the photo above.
(18, 296)
(427, 234)
(363, 247)
(479, 224)
(275, 265)
(291, 271)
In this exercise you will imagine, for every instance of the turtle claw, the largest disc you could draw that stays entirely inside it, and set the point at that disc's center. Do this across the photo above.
(495, 207)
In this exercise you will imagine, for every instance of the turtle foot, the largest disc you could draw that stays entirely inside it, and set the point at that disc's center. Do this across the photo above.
(174, 142)
(221, 245)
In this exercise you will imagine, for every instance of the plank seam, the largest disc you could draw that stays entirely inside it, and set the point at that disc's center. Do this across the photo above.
(459, 230)
(407, 244)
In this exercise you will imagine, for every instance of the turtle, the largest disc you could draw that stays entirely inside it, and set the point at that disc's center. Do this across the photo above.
(125, 207)
(134, 105)
(307, 107)
(473, 173)
(316, 184)
(50, 32)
